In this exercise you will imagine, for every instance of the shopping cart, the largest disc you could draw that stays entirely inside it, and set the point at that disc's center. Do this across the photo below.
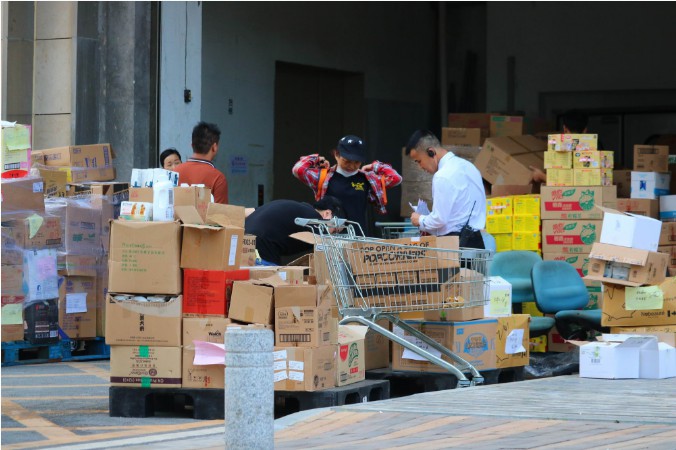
(396, 230)
(378, 279)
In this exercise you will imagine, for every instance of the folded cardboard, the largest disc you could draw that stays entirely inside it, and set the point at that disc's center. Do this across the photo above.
(206, 329)
(213, 243)
(77, 306)
(621, 305)
(570, 236)
(145, 366)
(474, 341)
(512, 338)
(131, 322)
(23, 195)
(350, 359)
(626, 266)
(304, 368)
(145, 257)
(576, 202)
(630, 230)
(506, 159)
(253, 301)
(649, 184)
(651, 158)
(303, 316)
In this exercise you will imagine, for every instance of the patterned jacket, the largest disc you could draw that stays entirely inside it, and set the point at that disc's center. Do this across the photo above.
(308, 171)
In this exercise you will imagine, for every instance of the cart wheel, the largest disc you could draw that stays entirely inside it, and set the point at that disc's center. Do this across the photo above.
(478, 380)
(465, 383)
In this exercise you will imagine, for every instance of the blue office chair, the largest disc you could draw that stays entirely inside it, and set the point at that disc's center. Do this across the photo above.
(559, 290)
(515, 266)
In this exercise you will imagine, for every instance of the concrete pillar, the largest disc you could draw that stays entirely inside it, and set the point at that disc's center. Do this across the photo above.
(249, 389)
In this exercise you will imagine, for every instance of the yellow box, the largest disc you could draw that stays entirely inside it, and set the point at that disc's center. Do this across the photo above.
(526, 241)
(593, 159)
(593, 177)
(526, 204)
(558, 160)
(530, 223)
(572, 142)
(531, 308)
(499, 206)
(503, 242)
(538, 344)
(560, 177)
(499, 224)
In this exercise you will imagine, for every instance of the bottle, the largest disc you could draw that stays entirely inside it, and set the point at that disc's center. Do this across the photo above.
(163, 201)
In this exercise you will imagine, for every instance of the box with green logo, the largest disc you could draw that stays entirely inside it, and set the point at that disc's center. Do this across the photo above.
(350, 359)
(576, 202)
(570, 236)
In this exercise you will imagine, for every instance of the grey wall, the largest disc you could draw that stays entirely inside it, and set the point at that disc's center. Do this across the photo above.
(392, 44)
(579, 47)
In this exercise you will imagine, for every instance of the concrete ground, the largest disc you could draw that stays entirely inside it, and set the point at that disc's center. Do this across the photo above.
(65, 406)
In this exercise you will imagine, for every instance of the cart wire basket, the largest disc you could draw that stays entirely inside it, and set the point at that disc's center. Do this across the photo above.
(397, 230)
(376, 279)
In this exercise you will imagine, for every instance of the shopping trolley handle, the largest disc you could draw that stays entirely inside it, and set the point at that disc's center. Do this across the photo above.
(331, 223)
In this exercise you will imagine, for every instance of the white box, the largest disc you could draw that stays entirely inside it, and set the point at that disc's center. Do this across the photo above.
(649, 184)
(630, 230)
(668, 207)
(499, 302)
(658, 361)
(616, 356)
(148, 177)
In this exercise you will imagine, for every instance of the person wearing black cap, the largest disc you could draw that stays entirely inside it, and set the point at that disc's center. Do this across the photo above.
(353, 184)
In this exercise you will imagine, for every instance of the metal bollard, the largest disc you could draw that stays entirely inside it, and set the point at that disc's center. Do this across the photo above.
(249, 389)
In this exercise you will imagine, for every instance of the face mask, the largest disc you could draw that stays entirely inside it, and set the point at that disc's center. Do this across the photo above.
(345, 173)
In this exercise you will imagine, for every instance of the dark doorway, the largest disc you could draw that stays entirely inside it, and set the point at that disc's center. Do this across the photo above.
(314, 107)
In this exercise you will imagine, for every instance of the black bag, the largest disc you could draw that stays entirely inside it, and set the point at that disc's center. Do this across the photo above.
(468, 236)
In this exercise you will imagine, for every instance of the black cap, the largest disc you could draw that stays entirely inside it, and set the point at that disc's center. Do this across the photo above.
(352, 147)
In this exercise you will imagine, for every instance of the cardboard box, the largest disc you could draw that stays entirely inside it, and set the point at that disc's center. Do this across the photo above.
(288, 274)
(664, 333)
(560, 177)
(248, 250)
(82, 175)
(82, 234)
(527, 224)
(642, 206)
(526, 240)
(207, 292)
(658, 360)
(668, 208)
(77, 265)
(474, 341)
(350, 360)
(41, 321)
(10, 253)
(77, 306)
(56, 181)
(16, 151)
(612, 359)
(466, 300)
(593, 159)
(12, 280)
(145, 366)
(592, 177)
(558, 160)
(556, 342)
(617, 313)
(500, 190)
(506, 126)
(668, 233)
(197, 197)
(377, 348)
(145, 257)
(207, 329)
(304, 369)
(253, 301)
(101, 294)
(526, 205)
(512, 348)
(461, 137)
(34, 232)
(505, 160)
(11, 310)
(40, 279)
(499, 302)
(570, 236)
(24, 195)
(214, 243)
(576, 202)
(651, 158)
(130, 322)
(626, 266)
(504, 242)
(499, 206)
(303, 316)
(630, 230)
(82, 156)
(622, 179)
(649, 184)
(498, 224)
(572, 142)
(471, 120)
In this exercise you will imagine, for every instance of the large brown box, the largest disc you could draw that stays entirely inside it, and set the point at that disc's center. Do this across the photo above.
(82, 156)
(622, 179)
(130, 322)
(207, 329)
(651, 158)
(77, 306)
(510, 351)
(196, 196)
(461, 136)
(668, 234)
(576, 202)
(506, 159)
(253, 301)
(303, 316)
(304, 368)
(145, 258)
(471, 120)
(506, 126)
(570, 236)
(145, 366)
(626, 266)
(34, 232)
(23, 195)
(616, 314)
(643, 206)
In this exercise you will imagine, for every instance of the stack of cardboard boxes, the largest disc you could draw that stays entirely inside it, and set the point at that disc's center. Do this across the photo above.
(514, 222)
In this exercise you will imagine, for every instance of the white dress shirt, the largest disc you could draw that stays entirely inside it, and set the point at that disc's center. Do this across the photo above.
(456, 186)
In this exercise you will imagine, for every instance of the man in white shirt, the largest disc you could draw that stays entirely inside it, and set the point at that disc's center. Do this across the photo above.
(458, 193)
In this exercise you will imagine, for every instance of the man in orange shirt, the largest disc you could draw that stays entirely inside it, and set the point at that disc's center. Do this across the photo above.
(199, 169)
